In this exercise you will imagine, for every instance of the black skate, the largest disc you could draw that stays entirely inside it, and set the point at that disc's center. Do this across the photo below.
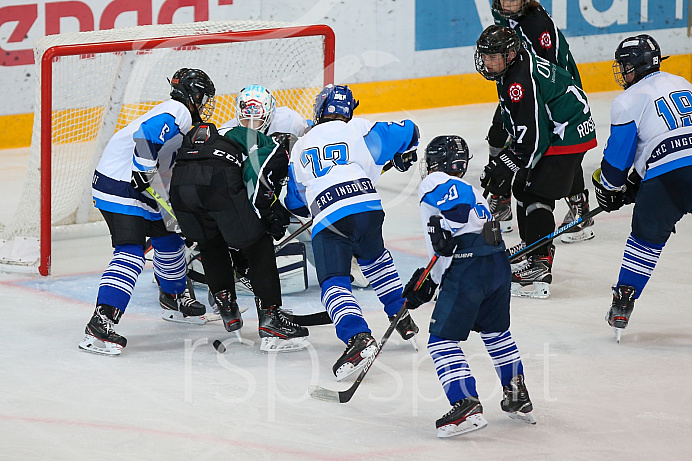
(100, 337)
(501, 209)
(278, 333)
(229, 311)
(359, 348)
(407, 328)
(623, 304)
(516, 402)
(578, 206)
(215, 313)
(516, 249)
(536, 272)
(465, 416)
(183, 308)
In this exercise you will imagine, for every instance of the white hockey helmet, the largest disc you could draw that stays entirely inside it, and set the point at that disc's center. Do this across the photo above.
(255, 107)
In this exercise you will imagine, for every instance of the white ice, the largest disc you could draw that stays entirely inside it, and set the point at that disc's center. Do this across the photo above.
(171, 396)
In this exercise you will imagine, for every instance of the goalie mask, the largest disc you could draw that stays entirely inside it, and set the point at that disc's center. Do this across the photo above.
(496, 50)
(255, 107)
(635, 58)
(334, 100)
(448, 154)
(194, 86)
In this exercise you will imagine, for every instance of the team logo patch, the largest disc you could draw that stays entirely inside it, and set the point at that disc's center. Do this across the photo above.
(545, 40)
(516, 92)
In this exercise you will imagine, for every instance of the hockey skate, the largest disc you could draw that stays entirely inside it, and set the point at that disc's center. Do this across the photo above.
(578, 206)
(99, 335)
(182, 308)
(229, 311)
(465, 416)
(278, 333)
(618, 315)
(533, 280)
(215, 314)
(501, 209)
(516, 402)
(516, 249)
(359, 348)
(407, 328)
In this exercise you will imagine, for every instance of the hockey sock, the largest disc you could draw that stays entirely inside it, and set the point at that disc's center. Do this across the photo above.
(119, 278)
(343, 308)
(216, 260)
(452, 369)
(169, 263)
(505, 355)
(385, 281)
(539, 223)
(638, 263)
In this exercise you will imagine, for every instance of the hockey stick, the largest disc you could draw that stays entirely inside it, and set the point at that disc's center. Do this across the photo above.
(549, 238)
(170, 221)
(320, 393)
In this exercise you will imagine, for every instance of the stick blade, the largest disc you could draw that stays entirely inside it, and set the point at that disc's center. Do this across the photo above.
(320, 393)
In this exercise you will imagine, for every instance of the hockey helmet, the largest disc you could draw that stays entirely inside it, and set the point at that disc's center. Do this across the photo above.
(449, 154)
(496, 40)
(255, 106)
(334, 100)
(194, 86)
(640, 55)
(499, 9)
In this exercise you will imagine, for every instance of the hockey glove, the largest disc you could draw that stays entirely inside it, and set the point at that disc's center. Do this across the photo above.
(285, 140)
(414, 298)
(403, 160)
(609, 200)
(442, 240)
(498, 173)
(632, 187)
(276, 220)
(142, 179)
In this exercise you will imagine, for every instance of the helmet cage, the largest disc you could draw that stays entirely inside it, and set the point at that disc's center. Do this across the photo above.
(640, 55)
(494, 41)
(497, 7)
(194, 86)
(256, 105)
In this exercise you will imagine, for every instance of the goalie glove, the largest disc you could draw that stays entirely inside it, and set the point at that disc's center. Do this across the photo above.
(442, 240)
(498, 173)
(414, 298)
(609, 200)
(142, 179)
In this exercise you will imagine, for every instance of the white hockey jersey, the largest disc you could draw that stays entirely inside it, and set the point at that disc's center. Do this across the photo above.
(463, 208)
(145, 142)
(285, 120)
(333, 169)
(651, 129)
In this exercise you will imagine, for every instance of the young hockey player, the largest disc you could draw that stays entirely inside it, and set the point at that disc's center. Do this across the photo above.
(224, 192)
(650, 134)
(549, 119)
(474, 273)
(131, 159)
(332, 176)
(540, 35)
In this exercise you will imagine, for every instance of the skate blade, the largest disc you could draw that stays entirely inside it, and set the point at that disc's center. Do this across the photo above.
(412, 341)
(579, 236)
(177, 317)
(540, 290)
(96, 346)
(523, 417)
(283, 345)
(211, 317)
(470, 424)
(618, 334)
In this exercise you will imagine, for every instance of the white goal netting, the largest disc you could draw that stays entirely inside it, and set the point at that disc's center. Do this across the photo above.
(102, 80)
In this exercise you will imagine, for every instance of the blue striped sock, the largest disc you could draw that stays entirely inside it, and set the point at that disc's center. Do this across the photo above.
(169, 263)
(385, 281)
(119, 278)
(503, 350)
(638, 263)
(452, 369)
(343, 308)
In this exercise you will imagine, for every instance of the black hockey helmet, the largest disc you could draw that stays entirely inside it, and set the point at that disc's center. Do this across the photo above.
(497, 7)
(494, 40)
(449, 154)
(640, 54)
(194, 86)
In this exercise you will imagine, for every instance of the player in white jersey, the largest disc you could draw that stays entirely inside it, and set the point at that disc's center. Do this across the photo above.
(332, 174)
(130, 161)
(474, 277)
(651, 135)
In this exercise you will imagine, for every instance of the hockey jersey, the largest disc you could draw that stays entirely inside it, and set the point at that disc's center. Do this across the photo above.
(462, 207)
(651, 129)
(333, 169)
(544, 110)
(285, 120)
(145, 143)
(540, 35)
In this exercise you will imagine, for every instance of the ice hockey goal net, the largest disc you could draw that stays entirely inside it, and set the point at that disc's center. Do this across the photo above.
(90, 84)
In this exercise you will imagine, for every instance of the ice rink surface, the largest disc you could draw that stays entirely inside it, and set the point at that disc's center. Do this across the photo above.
(171, 396)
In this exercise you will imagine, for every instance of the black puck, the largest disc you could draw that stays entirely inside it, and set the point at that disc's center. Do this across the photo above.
(218, 345)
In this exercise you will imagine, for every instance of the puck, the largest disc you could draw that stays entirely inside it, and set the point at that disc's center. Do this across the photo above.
(218, 345)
